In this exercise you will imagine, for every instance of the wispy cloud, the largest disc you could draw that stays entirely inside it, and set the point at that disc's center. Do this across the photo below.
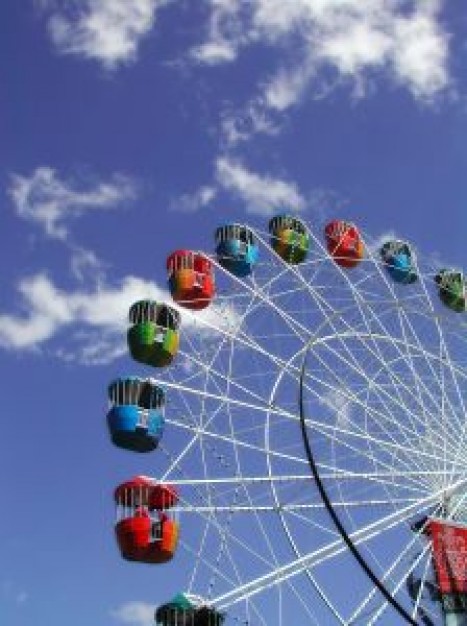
(43, 197)
(91, 317)
(136, 613)
(261, 193)
(255, 118)
(199, 199)
(86, 265)
(89, 325)
(325, 203)
(406, 42)
(224, 34)
(108, 31)
(214, 52)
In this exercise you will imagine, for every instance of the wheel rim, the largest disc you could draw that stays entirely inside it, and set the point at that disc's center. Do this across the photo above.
(215, 398)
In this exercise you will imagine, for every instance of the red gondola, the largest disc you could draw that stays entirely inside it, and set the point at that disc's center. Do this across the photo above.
(191, 279)
(344, 243)
(146, 530)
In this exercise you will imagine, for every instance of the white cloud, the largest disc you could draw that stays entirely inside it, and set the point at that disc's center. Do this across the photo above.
(243, 125)
(44, 198)
(50, 309)
(262, 195)
(136, 613)
(214, 52)
(108, 31)
(420, 56)
(85, 264)
(94, 320)
(287, 86)
(325, 203)
(191, 202)
(404, 40)
(224, 34)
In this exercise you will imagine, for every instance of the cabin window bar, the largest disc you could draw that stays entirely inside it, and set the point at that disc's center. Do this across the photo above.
(136, 391)
(156, 530)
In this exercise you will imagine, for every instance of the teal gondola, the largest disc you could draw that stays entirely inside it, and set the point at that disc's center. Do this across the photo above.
(236, 249)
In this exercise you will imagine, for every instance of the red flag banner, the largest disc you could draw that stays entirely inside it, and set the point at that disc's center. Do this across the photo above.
(449, 542)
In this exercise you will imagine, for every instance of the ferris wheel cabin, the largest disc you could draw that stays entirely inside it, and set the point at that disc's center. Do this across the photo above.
(146, 528)
(188, 610)
(449, 557)
(289, 238)
(136, 414)
(344, 243)
(236, 249)
(191, 279)
(399, 261)
(452, 289)
(153, 337)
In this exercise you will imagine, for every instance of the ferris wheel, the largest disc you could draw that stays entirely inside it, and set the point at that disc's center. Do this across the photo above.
(303, 402)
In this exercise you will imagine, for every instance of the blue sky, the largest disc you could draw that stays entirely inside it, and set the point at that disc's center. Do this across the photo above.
(129, 128)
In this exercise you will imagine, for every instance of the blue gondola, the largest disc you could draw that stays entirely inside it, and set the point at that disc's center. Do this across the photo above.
(236, 249)
(136, 415)
(399, 261)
